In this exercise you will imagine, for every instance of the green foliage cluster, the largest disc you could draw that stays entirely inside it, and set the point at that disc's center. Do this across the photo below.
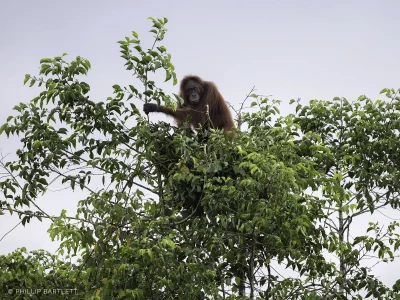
(173, 214)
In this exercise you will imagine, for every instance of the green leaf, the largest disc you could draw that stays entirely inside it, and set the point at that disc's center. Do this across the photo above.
(157, 24)
(134, 58)
(42, 181)
(133, 89)
(157, 65)
(3, 128)
(153, 53)
(62, 163)
(27, 76)
(237, 280)
(162, 49)
(168, 75)
(46, 60)
(178, 98)
(33, 80)
(147, 59)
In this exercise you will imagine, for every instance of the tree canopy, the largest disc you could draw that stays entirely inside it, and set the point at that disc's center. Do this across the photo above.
(172, 213)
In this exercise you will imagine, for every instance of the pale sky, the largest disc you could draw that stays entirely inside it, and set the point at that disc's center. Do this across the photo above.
(287, 49)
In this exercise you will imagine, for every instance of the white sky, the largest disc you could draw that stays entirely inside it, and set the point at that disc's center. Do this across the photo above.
(288, 49)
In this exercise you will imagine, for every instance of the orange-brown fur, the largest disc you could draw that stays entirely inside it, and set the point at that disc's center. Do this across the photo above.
(217, 115)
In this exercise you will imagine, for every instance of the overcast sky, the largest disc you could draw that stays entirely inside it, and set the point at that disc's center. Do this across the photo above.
(288, 49)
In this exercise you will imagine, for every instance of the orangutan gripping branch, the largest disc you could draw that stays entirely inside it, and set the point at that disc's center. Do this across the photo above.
(197, 95)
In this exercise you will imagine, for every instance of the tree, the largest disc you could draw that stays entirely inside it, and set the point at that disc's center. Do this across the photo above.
(177, 214)
(39, 274)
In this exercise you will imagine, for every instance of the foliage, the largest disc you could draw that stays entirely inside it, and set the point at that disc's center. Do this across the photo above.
(175, 214)
(39, 273)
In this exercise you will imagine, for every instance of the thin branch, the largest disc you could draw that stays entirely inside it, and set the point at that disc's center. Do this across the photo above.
(10, 231)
